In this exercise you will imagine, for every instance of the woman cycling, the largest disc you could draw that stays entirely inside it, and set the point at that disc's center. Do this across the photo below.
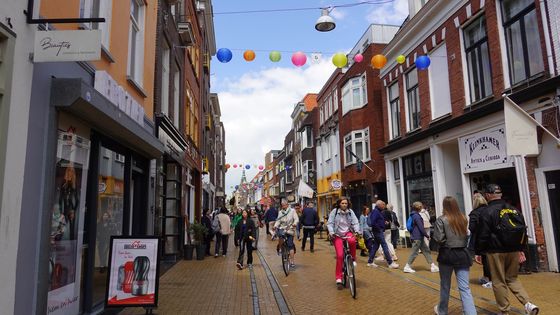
(286, 224)
(343, 224)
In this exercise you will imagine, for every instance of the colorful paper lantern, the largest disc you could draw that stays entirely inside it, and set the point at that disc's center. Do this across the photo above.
(339, 60)
(236, 187)
(249, 55)
(234, 165)
(422, 62)
(228, 166)
(401, 59)
(299, 59)
(224, 55)
(261, 167)
(358, 58)
(247, 166)
(275, 56)
(378, 61)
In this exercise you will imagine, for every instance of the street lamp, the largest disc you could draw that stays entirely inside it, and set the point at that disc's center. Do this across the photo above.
(325, 23)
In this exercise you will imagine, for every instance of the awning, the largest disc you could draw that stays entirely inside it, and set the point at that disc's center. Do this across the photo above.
(83, 101)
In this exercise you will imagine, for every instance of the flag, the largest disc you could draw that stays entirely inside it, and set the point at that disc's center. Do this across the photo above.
(521, 131)
(316, 58)
(304, 190)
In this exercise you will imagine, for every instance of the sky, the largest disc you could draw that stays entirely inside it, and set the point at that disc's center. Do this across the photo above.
(256, 98)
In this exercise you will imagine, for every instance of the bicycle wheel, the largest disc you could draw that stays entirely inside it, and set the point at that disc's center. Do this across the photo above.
(286, 259)
(351, 276)
(344, 273)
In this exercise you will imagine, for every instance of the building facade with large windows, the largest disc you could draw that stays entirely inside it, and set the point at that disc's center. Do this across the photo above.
(446, 130)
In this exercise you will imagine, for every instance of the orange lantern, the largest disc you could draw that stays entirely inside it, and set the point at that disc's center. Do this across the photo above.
(249, 55)
(378, 61)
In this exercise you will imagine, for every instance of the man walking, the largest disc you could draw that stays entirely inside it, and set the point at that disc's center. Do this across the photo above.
(501, 235)
(377, 222)
(310, 221)
(270, 217)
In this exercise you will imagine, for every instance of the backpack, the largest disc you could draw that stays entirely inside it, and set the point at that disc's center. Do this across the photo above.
(511, 229)
(410, 223)
(216, 228)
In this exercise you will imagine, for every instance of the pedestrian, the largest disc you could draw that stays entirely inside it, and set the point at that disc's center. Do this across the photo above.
(222, 236)
(377, 222)
(479, 203)
(366, 230)
(343, 223)
(246, 233)
(258, 224)
(425, 214)
(417, 237)
(501, 235)
(234, 221)
(297, 208)
(207, 222)
(452, 236)
(395, 225)
(286, 224)
(388, 217)
(271, 215)
(310, 221)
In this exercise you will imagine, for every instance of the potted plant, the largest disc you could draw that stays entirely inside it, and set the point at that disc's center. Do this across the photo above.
(188, 248)
(199, 233)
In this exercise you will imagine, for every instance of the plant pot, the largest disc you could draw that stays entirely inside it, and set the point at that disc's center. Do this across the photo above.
(200, 251)
(188, 252)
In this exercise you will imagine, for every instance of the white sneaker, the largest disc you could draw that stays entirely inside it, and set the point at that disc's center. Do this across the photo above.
(355, 265)
(531, 309)
(408, 269)
(434, 268)
(379, 258)
(372, 264)
(436, 310)
(393, 265)
(487, 285)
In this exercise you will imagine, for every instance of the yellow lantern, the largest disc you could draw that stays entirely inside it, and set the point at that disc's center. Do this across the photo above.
(401, 59)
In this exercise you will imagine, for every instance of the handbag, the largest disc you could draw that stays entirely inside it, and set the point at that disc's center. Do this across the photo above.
(361, 242)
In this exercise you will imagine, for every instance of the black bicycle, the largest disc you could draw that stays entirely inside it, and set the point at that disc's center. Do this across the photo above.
(284, 253)
(349, 276)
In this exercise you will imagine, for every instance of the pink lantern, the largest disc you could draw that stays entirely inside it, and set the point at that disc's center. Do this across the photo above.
(358, 58)
(261, 167)
(299, 59)
(234, 165)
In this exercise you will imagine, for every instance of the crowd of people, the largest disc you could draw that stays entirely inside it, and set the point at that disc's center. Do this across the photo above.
(494, 235)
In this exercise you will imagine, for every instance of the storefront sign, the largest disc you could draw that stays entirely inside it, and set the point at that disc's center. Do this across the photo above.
(133, 276)
(521, 130)
(56, 46)
(336, 184)
(66, 224)
(485, 150)
(108, 87)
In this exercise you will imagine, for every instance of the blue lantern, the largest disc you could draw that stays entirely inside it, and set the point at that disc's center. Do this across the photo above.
(422, 62)
(224, 55)
(247, 166)
(236, 187)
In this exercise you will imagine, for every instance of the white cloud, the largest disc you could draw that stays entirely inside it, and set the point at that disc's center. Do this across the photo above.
(392, 13)
(338, 14)
(256, 111)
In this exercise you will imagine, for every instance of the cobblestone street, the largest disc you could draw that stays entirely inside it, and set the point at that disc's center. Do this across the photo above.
(215, 286)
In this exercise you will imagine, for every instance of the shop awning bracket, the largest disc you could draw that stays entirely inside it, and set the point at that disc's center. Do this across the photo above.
(31, 20)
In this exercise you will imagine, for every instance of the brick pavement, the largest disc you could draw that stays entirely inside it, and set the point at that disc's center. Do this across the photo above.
(215, 286)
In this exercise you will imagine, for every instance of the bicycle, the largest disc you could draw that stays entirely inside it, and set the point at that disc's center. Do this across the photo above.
(284, 253)
(349, 276)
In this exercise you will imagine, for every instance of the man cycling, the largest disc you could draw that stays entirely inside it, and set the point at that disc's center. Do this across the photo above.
(286, 224)
(343, 224)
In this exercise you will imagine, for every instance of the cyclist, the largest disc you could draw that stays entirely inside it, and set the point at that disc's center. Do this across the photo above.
(286, 224)
(343, 224)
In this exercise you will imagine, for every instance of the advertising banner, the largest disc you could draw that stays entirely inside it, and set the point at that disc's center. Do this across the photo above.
(133, 276)
(56, 46)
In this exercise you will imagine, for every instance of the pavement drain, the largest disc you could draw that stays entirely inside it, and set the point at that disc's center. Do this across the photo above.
(278, 295)
(255, 295)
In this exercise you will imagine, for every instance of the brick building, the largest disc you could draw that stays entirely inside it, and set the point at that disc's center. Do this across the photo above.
(446, 123)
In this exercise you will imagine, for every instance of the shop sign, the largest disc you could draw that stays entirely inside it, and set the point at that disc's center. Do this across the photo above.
(336, 184)
(133, 277)
(56, 46)
(108, 87)
(485, 150)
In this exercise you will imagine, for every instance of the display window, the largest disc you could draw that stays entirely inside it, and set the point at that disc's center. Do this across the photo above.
(419, 185)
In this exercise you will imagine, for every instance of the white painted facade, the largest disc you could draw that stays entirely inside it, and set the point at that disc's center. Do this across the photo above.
(14, 118)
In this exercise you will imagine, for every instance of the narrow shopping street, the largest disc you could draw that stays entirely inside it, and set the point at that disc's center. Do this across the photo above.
(215, 286)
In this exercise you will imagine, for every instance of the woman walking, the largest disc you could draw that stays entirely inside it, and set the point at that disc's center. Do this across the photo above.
(222, 235)
(452, 235)
(479, 203)
(417, 237)
(245, 231)
(366, 229)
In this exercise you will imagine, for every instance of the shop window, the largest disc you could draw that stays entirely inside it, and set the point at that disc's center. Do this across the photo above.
(523, 41)
(396, 170)
(395, 110)
(136, 41)
(418, 180)
(478, 59)
(413, 98)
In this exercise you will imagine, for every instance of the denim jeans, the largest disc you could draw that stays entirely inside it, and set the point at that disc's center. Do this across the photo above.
(379, 239)
(462, 275)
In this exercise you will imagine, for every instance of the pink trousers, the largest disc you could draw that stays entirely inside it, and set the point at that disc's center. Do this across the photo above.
(339, 248)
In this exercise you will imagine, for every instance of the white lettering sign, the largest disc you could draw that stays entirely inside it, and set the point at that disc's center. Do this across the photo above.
(109, 88)
(56, 46)
(485, 150)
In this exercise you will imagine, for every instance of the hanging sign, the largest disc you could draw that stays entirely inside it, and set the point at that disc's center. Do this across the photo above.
(56, 46)
(336, 184)
(485, 150)
(133, 276)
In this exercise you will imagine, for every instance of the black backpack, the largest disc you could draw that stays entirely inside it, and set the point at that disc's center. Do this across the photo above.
(511, 229)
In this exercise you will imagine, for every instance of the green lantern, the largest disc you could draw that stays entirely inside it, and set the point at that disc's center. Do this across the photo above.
(275, 56)
(339, 60)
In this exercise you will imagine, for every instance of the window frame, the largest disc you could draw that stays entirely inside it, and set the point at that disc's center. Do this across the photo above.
(165, 76)
(476, 47)
(394, 118)
(347, 92)
(351, 139)
(408, 90)
(135, 64)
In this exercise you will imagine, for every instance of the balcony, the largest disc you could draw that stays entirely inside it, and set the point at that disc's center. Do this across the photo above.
(185, 29)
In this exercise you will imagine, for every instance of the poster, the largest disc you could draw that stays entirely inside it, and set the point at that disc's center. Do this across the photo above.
(66, 224)
(133, 272)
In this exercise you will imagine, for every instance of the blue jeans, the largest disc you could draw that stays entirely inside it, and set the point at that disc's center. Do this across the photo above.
(462, 275)
(379, 239)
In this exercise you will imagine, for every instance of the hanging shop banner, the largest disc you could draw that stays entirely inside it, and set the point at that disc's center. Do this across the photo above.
(133, 276)
(485, 150)
(56, 46)
(67, 222)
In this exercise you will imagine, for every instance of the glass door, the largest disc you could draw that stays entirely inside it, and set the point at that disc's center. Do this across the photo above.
(172, 215)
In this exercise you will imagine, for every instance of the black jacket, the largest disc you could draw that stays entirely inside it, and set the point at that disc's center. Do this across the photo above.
(309, 218)
(251, 230)
(486, 237)
(474, 217)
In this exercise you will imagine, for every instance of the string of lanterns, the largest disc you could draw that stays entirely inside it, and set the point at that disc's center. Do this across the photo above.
(244, 166)
(340, 60)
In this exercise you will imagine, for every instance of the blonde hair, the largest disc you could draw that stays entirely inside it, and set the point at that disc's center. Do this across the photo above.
(390, 207)
(479, 201)
(417, 205)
